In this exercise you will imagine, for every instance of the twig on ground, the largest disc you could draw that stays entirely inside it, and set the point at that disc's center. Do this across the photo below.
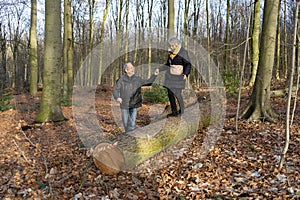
(59, 182)
(22, 153)
(32, 144)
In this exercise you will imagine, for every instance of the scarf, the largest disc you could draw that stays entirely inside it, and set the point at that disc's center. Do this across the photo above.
(175, 52)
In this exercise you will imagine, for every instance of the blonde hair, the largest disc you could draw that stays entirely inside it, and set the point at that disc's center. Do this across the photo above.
(174, 41)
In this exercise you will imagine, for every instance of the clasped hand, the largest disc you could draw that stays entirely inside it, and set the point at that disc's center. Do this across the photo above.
(119, 100)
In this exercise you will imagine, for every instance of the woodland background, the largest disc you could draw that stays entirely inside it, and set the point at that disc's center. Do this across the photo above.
(253, 45)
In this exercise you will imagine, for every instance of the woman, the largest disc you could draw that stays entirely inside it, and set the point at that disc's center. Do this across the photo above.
(177, 69)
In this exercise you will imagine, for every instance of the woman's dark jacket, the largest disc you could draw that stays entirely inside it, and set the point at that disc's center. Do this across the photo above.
(176, 81)
(129, 89)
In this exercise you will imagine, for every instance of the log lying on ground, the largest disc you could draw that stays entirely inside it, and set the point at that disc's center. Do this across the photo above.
(283, 92)
(137, 146)
(108, 158)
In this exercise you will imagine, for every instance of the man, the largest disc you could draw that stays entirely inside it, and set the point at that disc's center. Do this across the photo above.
(177, 69)
(128, 93)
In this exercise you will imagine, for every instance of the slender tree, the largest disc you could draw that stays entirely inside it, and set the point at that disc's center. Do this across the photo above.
(90, 72)
(127, 9)
(208, 41)
(196, 13)
(15, 36)
(3, 70)
(185, 16)
(119, 27)
(150, 10)
(50, 109)
(68, 49)
(285, 39)
(259, 106)
(33, 49)
(278, 49)
(171, 18)
(255, 41)
(288, 120)
(106, 9)
(227, 33)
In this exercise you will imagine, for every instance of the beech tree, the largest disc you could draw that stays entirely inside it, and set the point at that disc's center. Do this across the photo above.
(104, 17)
(259, 106)
(68, 52)
(227, 33)
(3, 70)
(50, 109)
(33, 49)
(171, 18)
(255, 42)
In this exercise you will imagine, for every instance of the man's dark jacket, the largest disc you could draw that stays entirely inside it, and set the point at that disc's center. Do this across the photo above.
(129, 89)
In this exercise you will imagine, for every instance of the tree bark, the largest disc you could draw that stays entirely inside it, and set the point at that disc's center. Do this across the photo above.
(102, 38)
(259, 106)
(288, 105)
(171, 18)
(68, 49)
(90, 72)
(255, 42)
(227, 32)
(3, 70)
(278, 49)
(145, 142)
(285, 35)
(50, 109)
(208, 44)
(150, 10)
(33, 49)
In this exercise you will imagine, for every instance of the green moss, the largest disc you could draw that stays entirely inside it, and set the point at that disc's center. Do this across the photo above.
(144, 148)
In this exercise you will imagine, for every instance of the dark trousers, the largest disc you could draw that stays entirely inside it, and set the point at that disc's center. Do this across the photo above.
(173, 94)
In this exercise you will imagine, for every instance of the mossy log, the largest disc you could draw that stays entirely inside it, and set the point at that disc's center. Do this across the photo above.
(143, 143)
(283, 92)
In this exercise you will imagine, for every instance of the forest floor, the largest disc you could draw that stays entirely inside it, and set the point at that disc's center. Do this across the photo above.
(48, 161)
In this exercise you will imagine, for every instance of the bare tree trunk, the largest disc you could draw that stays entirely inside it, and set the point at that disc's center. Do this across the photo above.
(119, 33)
(255, 42)
(171, 18)
(185, 18)
(196, 18)
(150, 10)
(178, 20)
(277, 72)
(16, 74)
(68, 53)
(91, 40)
(285, 56)
(242, 72)
(227, 51)
(33, 49)
(102, 37)
(208, 43)
(126, 30)
(296, 89)
(3, 70)
(288, 106)
(259, 106)
(50, 109)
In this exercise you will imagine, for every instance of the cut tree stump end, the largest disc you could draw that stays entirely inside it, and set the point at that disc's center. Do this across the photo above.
(108, 158)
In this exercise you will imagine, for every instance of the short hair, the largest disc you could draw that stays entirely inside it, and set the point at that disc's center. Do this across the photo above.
(126, 65)
(174, 41)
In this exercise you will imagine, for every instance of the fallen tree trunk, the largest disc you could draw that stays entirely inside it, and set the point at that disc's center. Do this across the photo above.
(132, 148)
(283, 92)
